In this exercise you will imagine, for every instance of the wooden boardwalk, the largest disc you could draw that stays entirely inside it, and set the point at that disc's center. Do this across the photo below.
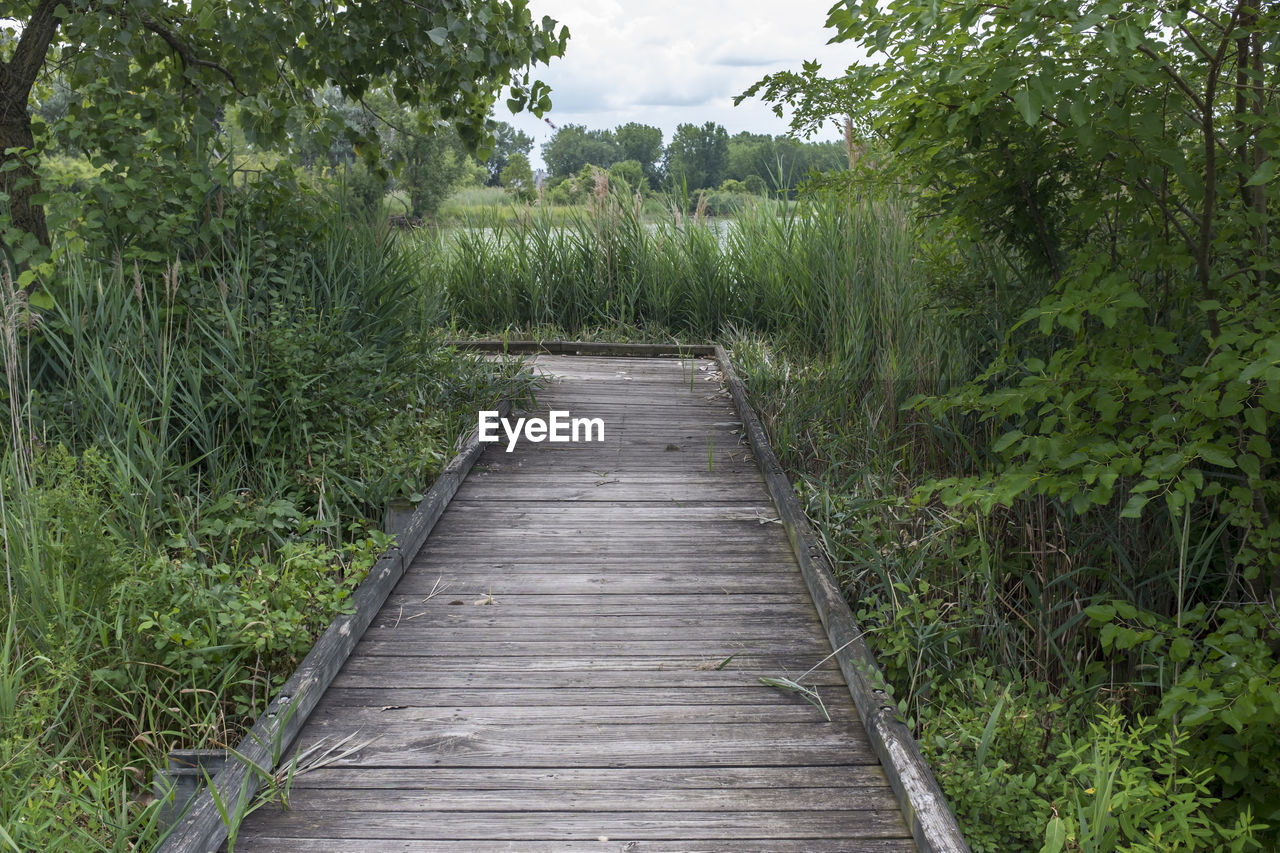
(572, 661)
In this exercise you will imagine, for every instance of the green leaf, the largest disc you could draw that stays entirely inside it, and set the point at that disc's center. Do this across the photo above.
(1263, 174)
(1217, 456)
(1100, 612)
(1055, 836)
(1003, 442)
(1028, 103)
(438, 35)
(1134, 506)
(1256, 420)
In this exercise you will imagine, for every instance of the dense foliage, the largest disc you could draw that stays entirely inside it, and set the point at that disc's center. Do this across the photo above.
(698, 157)
(147, 85)
(193, 481)
(1052, 698)
(217, 371)
(1109, 167)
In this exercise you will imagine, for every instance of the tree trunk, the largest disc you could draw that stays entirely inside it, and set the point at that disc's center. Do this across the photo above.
(18, 176)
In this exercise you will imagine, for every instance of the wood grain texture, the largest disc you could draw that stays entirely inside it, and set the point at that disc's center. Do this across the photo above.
(576, 654)
(599, 844)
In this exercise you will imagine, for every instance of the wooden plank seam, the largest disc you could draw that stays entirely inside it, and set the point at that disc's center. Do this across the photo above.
(924, 806)
(201, 829)
(596, 348)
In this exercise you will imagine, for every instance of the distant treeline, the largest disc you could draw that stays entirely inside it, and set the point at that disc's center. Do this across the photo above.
(697, 157)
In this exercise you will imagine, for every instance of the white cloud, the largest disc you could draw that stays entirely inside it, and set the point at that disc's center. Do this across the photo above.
(665, 62)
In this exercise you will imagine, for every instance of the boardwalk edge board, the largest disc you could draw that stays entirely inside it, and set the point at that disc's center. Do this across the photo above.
(596, 348)
(201, 829)
(924, 806)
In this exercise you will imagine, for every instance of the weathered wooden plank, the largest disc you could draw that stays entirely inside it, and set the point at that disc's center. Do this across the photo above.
(584, 559)
(643, 602)
(704, 533)
(847, 778)
(746, 666)
(644, 799)
(621, 511)
(632, 517)
(664, 462)
(611, 490)
(617, 540)
(479, 628)
(276, 844)
(682, 826)
(465, 624)
(635, 446)
(600, 743)
(632, 583)
(492, 714)
(620, 542)
(636, 395)
(466, 747)
(444, 556)
(586, 350)
(933, 824)
(698, 476)
(701, 648)
(601, 675)
(632, 407)
(600, 611)
(440, 696)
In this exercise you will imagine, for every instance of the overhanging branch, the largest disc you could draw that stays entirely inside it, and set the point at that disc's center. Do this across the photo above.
(186, 52)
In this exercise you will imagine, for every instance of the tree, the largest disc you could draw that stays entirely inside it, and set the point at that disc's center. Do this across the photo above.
(329, 109)
(429, 162)
(1125, 153)
(755, 185)
(630, 174)
(752, 154)
(507, 141)
(698, 156)
(641, 143)
(156, 75)
(782, 162)
(573, 147)
(517, 179)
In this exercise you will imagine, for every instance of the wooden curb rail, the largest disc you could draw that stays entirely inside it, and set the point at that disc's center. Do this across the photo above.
(201, 829)
(597, 348)
(924, 806)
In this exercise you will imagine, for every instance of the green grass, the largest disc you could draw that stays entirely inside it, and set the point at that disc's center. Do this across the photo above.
(191, 483)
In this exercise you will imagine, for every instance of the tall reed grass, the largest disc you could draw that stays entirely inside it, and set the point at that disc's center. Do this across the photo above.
(192, 460)
(836, 280)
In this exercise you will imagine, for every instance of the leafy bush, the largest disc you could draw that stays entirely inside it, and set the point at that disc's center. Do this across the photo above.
(1220, 695)
(1133, 791)
(196, 616)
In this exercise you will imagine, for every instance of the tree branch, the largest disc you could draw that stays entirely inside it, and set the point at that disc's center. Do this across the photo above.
(186, 52)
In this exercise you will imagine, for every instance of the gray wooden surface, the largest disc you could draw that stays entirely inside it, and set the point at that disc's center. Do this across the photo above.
(572, 660)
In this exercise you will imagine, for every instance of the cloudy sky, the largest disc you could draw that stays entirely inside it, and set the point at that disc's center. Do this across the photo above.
(665, 62)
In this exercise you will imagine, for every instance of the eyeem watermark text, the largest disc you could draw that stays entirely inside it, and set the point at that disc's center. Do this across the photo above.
(558, 428)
